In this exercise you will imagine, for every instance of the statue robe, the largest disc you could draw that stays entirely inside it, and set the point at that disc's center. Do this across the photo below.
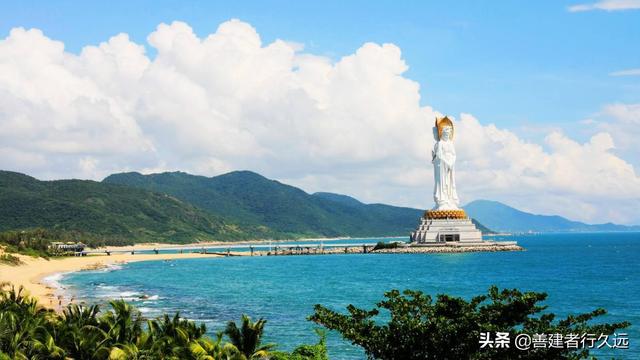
(444, 193)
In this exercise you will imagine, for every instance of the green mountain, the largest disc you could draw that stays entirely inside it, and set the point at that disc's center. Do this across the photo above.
(501, 217)
(249, 198)
(180, 207)
(113, 212)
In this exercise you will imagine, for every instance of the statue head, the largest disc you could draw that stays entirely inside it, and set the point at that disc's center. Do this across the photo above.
(447, 133)
(444, 126)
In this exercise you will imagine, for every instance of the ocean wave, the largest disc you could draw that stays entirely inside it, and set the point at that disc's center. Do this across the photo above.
(154, 311)
(147, 299)
(54, 280)
(103, 286)
(112, 292)
(112, 267)
(206, 320)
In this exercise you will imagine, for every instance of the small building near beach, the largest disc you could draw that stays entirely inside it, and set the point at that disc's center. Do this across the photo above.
(62, 248)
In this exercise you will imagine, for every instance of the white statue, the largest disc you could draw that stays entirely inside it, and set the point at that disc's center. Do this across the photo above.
(444, 159)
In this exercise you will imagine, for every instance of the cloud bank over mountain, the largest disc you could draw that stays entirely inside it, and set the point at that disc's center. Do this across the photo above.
(226, 101)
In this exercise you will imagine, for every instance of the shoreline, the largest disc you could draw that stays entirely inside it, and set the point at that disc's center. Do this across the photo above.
(34, 274)
(39, 276)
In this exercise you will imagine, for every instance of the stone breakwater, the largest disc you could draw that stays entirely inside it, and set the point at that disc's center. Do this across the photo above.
(441, 249)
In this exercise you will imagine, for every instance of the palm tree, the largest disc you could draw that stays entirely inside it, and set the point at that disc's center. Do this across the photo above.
(29, 331)
(24, 330)
(123, 324)
(205, 348)
(172, 336)
(247, 338)
(125, 352)
(43, 346)
(80, 333)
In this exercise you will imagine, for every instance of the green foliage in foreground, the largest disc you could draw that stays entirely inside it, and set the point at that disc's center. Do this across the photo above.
(450, 327)
(28, 331)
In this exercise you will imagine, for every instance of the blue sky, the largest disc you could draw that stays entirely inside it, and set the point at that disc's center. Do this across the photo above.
(545, 96)
(514, 63)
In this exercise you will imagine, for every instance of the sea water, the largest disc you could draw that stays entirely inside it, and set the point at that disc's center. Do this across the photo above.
(580, 272)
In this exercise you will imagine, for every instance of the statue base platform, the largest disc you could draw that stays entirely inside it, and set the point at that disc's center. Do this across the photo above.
(446, 226)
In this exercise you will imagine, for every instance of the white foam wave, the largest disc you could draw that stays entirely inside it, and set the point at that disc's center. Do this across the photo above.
(54, 280)
(114, 293)
(112, 267)
(106, 287)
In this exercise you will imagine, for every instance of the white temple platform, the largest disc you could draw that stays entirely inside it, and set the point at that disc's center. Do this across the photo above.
(447, 231)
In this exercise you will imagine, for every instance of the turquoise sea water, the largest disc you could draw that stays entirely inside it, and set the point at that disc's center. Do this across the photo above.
(580, 272)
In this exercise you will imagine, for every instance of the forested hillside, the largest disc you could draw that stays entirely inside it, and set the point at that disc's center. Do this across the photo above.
(114, 212)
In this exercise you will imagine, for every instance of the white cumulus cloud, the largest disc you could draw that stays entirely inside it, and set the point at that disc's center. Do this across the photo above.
(606, 5)
(622, 121)
(630, 72)
(227, 101)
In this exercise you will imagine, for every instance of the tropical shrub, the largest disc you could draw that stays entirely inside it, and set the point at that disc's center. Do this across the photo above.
(416, 327)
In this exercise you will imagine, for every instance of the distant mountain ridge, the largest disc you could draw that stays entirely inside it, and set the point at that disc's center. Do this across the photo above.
(500, 217)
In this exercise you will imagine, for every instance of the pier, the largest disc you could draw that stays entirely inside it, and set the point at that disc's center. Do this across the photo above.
(231, 249)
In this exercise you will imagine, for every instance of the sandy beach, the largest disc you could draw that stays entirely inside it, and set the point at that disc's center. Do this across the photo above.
(32, 272)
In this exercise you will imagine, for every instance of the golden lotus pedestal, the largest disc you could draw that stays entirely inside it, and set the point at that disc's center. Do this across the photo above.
(445, 214)
(446, 226)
